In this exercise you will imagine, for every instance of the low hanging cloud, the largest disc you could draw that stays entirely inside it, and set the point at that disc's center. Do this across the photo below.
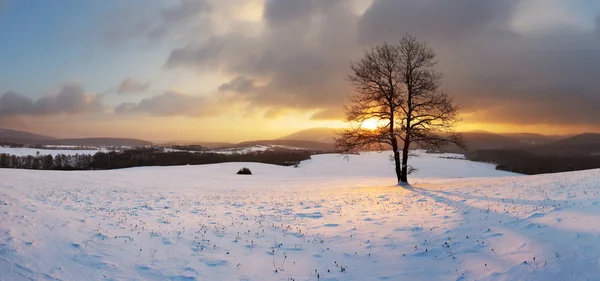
(496, 72)
(130, 85)
(170, 103)
(71, 99)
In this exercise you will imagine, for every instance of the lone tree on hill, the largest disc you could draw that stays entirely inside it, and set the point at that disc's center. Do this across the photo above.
(397, 103)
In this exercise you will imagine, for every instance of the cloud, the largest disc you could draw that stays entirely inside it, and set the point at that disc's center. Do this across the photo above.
(132, 86)
(170, 103)
(152, 22)
(238, 84)
(12, 103)
(497, 67)
(432, 19)
(300, 57)
(184, 10)
(71, 99)
(329, 114)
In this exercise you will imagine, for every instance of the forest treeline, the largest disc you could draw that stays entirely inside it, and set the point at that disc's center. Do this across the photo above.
(147, 157)
(531, 163)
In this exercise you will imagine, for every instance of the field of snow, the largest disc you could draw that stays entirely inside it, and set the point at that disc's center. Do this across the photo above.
(249, 149)
(328, 219)
(25, 151)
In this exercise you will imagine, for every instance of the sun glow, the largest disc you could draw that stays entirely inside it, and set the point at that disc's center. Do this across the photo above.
(370, 124)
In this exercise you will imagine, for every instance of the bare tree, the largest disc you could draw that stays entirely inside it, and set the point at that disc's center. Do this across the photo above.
(396, 88)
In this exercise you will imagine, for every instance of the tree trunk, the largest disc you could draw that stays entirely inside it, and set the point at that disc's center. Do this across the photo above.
(397, 159)
(404, 176)
(399, 171)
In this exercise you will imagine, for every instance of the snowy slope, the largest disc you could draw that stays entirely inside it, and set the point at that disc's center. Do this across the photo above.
(329, 219)
(25, 151)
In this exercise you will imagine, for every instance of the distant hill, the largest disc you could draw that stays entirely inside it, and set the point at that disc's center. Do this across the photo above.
(573, 153)
(586, 138)
(476, 140)
(323, 135)
(200, 143)
(578, 145)
(487, 140)
(308, 145)
(20, 137)
(529, 138)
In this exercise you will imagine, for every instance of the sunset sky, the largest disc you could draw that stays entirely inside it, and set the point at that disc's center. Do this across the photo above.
(234, 70)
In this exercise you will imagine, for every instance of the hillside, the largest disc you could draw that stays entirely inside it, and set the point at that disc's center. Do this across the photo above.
(533, 139)
(22, 137)
(328, 219)
(15, 136)
(303, 144)
(581, 139)
(199, 143)
(323, 135)
(475, 140)
(580, 152)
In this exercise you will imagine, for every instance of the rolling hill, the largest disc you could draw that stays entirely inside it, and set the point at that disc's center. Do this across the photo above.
(323, 135)
(22, 137)
(304, 144)
(581, 139)
(15, 136)
(474, 139)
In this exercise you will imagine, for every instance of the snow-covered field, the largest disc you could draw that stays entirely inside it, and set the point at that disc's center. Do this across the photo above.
(249, 149)
(25, 151)
(71, 150)
(328, 219)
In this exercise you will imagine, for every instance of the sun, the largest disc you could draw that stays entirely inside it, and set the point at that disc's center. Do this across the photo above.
(370, 124)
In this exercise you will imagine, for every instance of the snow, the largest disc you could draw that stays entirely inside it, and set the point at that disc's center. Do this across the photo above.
(237, 150)
(249, 149)
(25, 151)
(328, 219)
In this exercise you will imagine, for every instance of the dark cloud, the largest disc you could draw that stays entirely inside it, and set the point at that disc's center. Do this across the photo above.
(300, 65)
(437, 19)
(281, 11)
(12, 103)
(557, 111)
(71, 99)
(132, 86)
(495, 71)
(170, 103)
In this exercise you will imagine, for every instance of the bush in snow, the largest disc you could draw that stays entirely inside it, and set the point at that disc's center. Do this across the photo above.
(244, 171)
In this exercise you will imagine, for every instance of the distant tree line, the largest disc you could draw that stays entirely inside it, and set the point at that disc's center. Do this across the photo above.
(146, 157)
(530, 163)
(50, 147)
(47, 162)
(189, 147)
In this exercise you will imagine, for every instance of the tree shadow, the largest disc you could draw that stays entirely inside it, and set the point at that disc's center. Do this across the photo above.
(567, 254)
